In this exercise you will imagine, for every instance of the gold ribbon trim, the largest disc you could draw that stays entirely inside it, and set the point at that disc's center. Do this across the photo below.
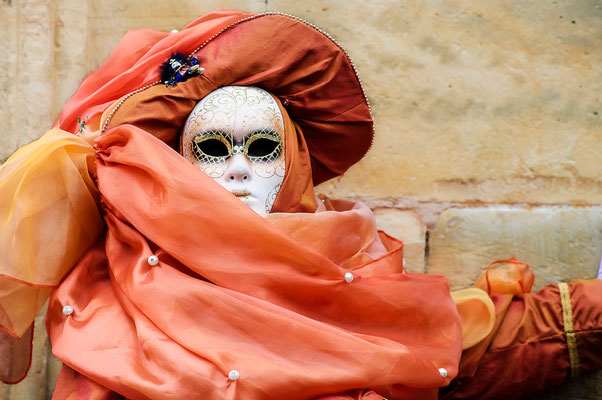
(567, 317)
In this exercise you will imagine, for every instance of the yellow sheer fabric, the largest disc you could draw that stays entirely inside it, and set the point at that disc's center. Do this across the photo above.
(48, 217)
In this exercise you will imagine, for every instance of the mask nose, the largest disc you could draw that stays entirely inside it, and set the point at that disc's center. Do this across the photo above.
(239, 169)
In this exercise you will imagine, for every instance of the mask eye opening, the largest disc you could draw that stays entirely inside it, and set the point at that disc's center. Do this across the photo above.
(211, 147)
(263, 146)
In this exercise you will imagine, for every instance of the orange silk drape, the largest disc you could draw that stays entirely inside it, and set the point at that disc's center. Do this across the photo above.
(233, 291)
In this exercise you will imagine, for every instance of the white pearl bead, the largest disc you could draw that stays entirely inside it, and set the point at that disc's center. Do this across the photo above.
(67, 310)
(233, 375)
(443, 372)
(153, 260)
(348, 277)
(174, 31)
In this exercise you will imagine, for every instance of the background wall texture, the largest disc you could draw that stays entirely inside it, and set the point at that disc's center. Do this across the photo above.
(488, 123)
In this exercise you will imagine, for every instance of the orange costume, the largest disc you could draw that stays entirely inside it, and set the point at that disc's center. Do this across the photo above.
(166, 286)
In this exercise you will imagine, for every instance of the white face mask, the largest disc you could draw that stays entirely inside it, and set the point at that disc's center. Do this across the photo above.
(236, 136)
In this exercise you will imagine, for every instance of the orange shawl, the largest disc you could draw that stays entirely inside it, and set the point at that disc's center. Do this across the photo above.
(233, 291)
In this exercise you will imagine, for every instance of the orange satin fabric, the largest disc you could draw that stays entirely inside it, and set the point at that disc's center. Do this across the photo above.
(527, 350)
(72, 385)
(529, 335)
(15, 356)
(297, 191)
(233, 291)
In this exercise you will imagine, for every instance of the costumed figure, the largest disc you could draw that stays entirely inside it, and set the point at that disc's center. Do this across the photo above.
(186, 255)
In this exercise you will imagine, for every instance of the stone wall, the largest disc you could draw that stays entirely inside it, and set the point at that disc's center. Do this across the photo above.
(488, 122)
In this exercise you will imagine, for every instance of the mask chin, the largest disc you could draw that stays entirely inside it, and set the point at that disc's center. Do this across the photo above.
(236, 136)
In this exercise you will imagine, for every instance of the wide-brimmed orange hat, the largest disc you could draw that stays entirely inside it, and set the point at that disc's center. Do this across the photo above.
(291, 58)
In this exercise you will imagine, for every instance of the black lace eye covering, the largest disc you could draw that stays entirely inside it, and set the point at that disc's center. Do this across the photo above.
(216, 147)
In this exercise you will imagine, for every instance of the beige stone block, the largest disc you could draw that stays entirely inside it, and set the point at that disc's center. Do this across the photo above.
(479, 101)
(560, 243)
(408, 227)
(8, 77)
(71, 52)
(53, 369)
(34, 80)
(26, 74)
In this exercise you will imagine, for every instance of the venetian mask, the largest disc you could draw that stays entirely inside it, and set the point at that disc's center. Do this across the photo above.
(235, 135)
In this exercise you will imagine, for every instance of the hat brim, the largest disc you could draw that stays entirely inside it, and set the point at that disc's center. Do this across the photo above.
(311, 74)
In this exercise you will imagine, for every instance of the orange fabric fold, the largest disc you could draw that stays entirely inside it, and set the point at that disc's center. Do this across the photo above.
(72, 385)
(15, 356)
(506, 277)
(530, 336)
(477, 314)
(234, 291)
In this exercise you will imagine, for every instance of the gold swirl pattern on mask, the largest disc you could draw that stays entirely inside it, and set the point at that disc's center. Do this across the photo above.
(269, 201)
(216, 109)
(222, 107)
(269, 171)
(214, 171)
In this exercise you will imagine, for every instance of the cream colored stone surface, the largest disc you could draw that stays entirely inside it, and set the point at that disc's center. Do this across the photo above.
(474, 100)
(53, 370)
(560, 243)
(407, 227)
(26, 72)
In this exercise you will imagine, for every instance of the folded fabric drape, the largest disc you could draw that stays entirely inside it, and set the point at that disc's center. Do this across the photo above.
(48, 217)
(234, 291)
(547, 337)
